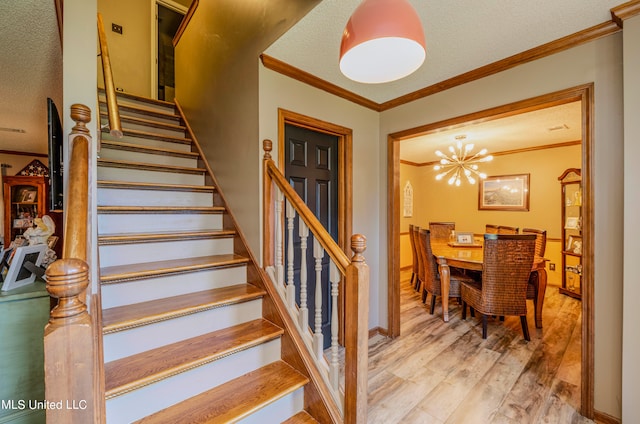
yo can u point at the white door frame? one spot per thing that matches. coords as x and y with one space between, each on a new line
169 4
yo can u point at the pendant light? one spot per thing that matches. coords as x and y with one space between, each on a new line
383 41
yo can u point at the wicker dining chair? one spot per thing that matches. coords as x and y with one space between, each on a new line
419 268
440 231
491 229
414 254
507 264
533 286
503 229
431 282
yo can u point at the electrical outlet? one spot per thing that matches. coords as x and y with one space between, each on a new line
116 28
552 267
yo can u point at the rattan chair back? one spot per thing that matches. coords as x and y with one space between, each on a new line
507 263
491 229
541 240
503 229
440 231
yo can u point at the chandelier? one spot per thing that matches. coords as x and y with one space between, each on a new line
462 162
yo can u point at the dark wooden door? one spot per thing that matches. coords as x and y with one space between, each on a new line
311 166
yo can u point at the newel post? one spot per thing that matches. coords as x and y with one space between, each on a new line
267 204
69 350
356 333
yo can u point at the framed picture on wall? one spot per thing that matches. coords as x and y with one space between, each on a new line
504 193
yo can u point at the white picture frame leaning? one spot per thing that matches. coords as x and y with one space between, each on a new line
17 275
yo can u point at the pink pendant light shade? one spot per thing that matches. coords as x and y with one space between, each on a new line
383 41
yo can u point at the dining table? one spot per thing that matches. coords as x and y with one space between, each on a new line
470 257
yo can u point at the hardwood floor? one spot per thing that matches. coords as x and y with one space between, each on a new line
438 372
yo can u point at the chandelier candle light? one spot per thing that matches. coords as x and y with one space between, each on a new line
461 162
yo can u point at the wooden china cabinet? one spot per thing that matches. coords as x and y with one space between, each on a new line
25 198
571 189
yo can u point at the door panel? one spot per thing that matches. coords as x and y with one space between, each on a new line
311 166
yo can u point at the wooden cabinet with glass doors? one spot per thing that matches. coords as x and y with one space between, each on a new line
571 188
24 200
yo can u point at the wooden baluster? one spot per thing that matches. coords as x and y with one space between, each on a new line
356 333
291 288
279 235
267 215
334 277
318 340
303 231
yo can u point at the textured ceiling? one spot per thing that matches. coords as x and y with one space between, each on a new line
30 71
461 35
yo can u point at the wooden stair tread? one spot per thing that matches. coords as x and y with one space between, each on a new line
151 269
301 417
154 136
138 314
235 399
121 95
130 147
153 186
146 122
161 209
145 111
125 238
150 166
127 374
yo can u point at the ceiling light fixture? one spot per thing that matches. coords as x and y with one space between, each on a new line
461 162
383 41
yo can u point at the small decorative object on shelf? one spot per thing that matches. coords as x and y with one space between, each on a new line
571 190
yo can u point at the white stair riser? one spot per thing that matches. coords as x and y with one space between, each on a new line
133 197
149 142
131 223
115 154
155 397
278 411
126 254
135 340
126 293
173 132
144 176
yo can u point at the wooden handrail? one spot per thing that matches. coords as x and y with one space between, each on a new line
69 349
356 282
339 257
115 127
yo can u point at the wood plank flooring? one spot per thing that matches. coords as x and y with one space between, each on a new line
438 372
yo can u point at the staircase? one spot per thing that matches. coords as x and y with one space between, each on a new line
189 333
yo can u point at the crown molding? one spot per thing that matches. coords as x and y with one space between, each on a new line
625 11
564 43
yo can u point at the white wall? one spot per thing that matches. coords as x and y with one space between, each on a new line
277 91
79 86
631 344
599 62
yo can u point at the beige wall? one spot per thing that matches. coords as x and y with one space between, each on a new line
277 91
130 51
599 62
217 85
631 344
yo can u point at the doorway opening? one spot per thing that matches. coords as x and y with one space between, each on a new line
167 16
582 94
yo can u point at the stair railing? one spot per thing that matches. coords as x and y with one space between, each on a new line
113 114
70 350
282 206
